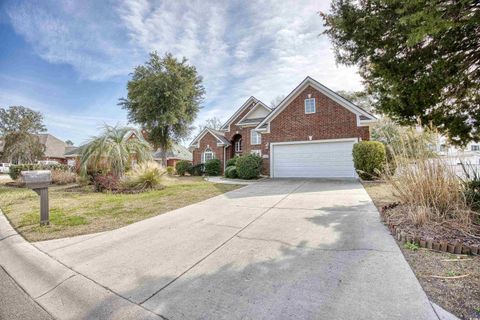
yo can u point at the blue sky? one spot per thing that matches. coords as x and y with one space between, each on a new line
71 59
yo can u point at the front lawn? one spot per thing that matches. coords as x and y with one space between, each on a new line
452 281
81 211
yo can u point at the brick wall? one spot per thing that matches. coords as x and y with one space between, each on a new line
330 121
210 141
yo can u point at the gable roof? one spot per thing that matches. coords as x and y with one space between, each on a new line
177 151
219 135
54 147
246 104
244 120
362 115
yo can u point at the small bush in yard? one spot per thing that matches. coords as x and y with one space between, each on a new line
170 170
369 158
231 172
213 167
108 182
147 175
232 162
63 177
183 166
16 169
471 185
197 170
249 166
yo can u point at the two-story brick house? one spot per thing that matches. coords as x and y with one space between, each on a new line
309 134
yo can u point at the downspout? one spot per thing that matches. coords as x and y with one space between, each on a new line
224 157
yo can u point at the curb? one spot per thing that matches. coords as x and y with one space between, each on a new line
61 291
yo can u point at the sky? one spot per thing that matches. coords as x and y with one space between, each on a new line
71 60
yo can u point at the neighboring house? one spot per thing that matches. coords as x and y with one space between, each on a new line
175 154
309 134
54 148
456 155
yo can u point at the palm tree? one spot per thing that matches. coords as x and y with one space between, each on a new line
113 151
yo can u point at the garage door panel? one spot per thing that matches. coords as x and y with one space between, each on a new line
316 159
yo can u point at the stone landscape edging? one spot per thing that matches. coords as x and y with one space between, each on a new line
429 243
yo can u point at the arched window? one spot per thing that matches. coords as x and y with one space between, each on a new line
207 155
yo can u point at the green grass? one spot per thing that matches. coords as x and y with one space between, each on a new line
452 273
84 211
411 246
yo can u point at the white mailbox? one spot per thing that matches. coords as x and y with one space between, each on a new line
39 180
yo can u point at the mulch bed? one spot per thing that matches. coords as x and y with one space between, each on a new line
432 235
89 189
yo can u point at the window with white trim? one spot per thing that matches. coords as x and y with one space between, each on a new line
475 147
256 152
255 137
238 145
207 155
310 105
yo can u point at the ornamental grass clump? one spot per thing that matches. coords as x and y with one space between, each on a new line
426 185
147 175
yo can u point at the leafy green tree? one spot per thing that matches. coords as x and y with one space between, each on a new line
164 97
19 126
420 58
113 151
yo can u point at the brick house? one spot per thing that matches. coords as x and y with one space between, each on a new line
309 134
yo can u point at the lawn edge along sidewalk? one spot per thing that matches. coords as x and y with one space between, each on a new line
61 291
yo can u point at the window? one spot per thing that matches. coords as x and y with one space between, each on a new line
256 152
475 147
310 105
255 137
238 145
208 155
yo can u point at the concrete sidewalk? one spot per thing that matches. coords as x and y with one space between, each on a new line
277 249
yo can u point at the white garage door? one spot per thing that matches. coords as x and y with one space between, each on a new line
313 160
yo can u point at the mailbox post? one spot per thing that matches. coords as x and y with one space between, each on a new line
38 181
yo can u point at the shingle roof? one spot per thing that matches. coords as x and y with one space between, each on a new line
177 151
250 121
54 147
220 135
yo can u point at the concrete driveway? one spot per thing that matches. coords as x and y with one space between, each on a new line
277 249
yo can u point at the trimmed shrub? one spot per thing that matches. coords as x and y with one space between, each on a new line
249 166
231 172
369 159
183 166
197 170
147 175
232 162
213 167
63 177
170 170
15 169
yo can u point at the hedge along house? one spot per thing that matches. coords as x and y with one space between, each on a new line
309 134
